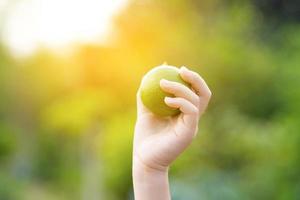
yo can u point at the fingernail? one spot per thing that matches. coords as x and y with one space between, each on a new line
183 69
168 99
163 81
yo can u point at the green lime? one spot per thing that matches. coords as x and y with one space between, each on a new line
151 93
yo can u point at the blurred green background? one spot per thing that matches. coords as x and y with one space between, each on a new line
66 120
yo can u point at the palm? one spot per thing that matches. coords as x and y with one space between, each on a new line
162 139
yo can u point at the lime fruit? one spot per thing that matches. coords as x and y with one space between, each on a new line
151 93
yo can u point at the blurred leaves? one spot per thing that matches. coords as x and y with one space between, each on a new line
117 150
7 141
79 108
74 113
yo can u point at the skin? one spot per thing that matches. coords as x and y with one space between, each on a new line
158 141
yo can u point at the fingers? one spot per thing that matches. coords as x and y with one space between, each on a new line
197 82
184 105
190 111
179 90
199 86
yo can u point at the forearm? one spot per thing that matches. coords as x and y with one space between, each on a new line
149 183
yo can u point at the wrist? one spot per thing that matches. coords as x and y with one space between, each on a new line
149 183
142 170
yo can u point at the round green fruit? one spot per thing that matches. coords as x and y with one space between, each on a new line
151 93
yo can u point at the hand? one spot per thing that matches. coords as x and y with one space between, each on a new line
159 141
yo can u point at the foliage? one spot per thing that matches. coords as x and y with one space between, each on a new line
62 115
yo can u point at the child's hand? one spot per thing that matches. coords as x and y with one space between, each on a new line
159 141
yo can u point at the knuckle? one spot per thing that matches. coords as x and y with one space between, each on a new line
197 100
195 110
181 100
196 75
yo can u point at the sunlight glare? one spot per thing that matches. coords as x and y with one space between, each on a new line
57 23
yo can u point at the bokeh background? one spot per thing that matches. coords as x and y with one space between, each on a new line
67 103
